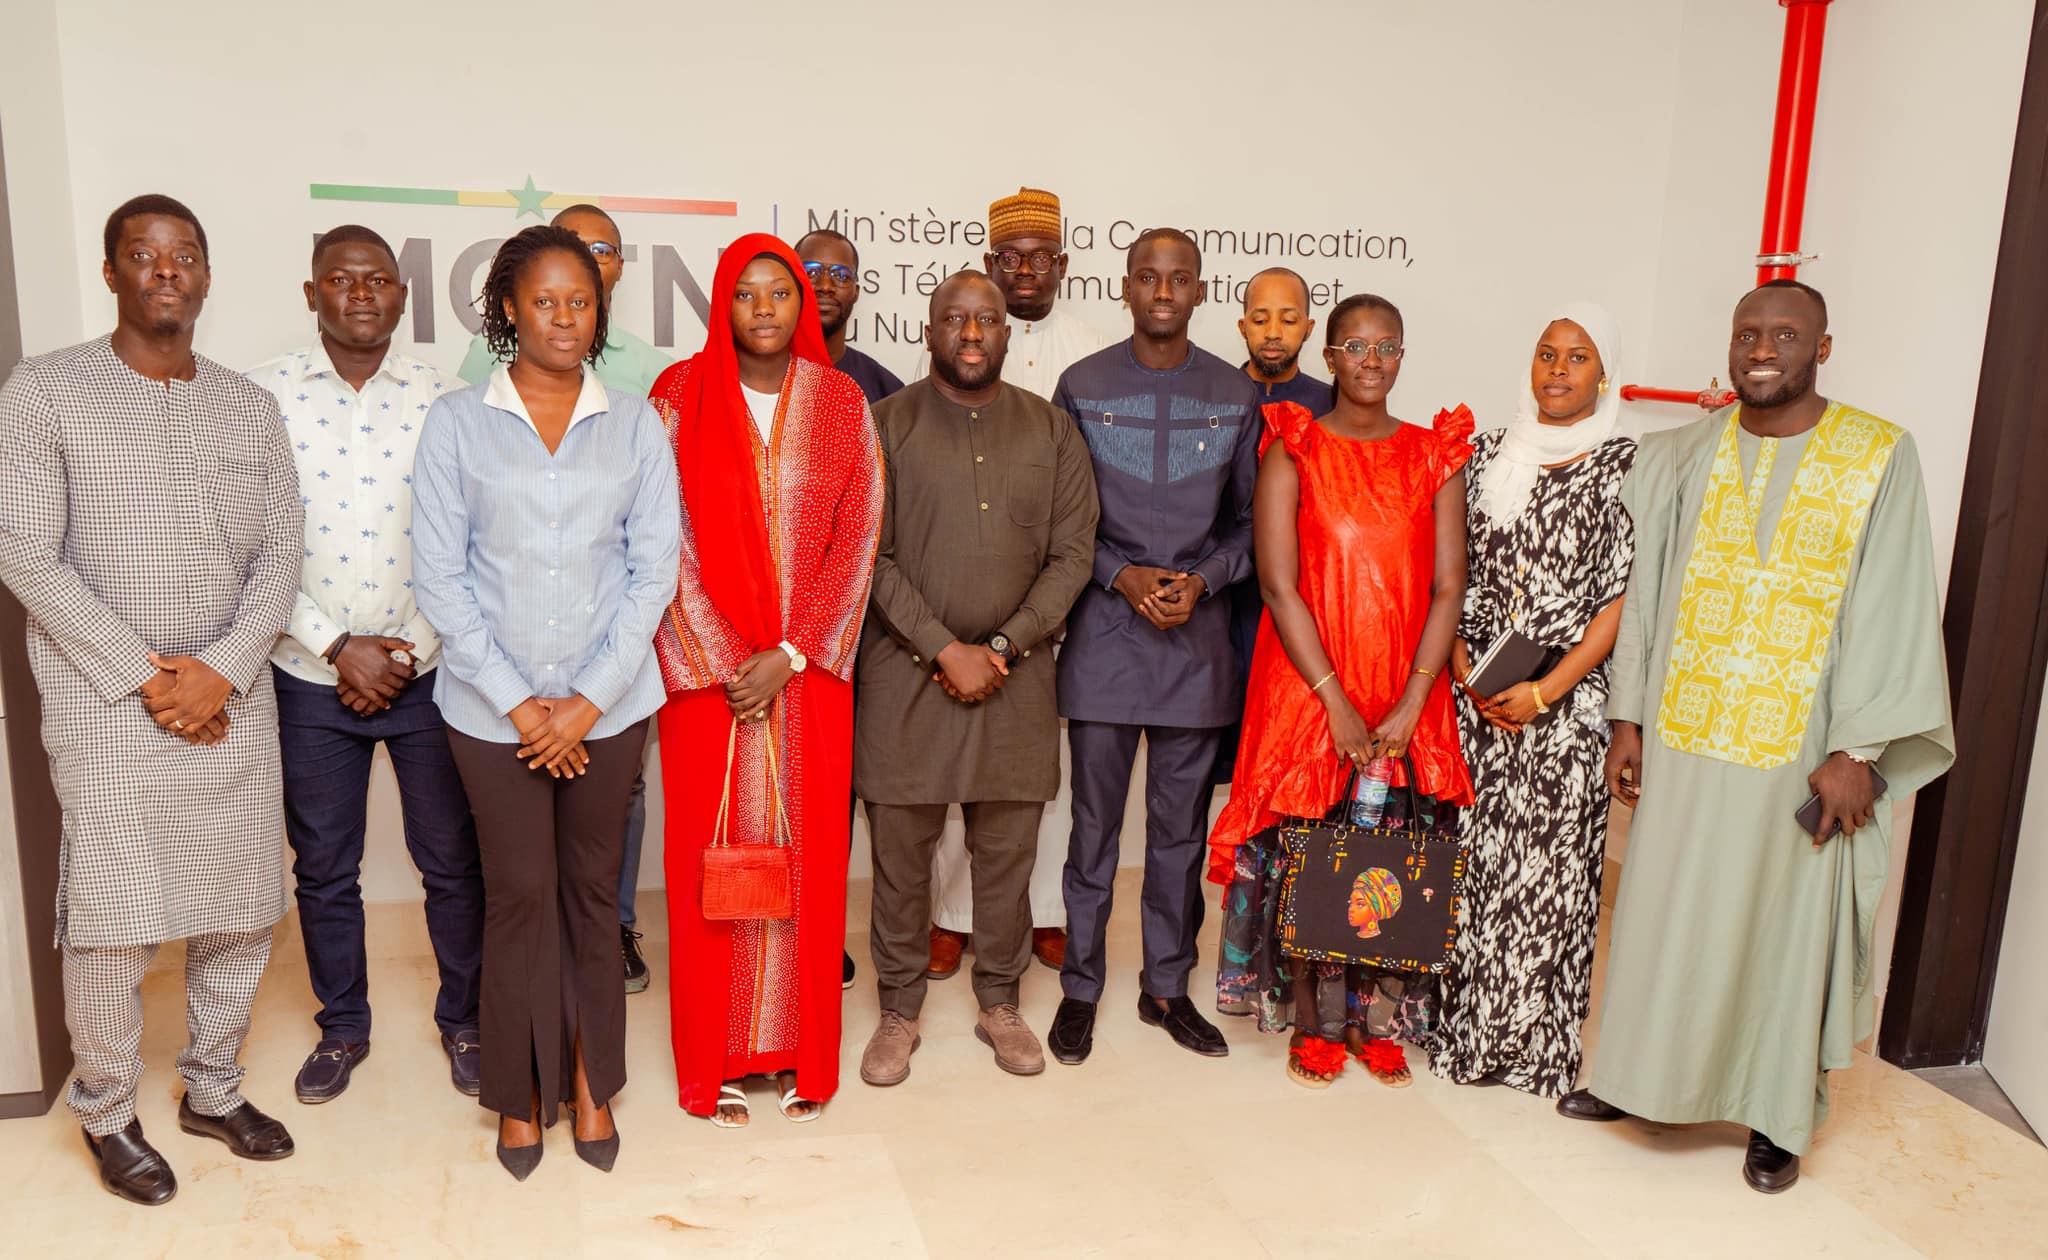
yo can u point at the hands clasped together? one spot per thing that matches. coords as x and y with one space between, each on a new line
971 672
188 698
1164 597
759 679
551 733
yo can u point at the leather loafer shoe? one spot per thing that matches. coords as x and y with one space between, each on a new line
1769 1168
1073 1031
247 1131
325 1072
131 1168
465 1059
1582 1104
1184 1024
946 949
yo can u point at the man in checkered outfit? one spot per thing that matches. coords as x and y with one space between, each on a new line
151 525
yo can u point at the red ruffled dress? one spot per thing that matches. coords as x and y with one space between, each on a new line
1367 540
1366 533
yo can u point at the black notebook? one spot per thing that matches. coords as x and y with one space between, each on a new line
1513 658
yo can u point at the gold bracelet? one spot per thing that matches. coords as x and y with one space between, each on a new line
1426 673
1537 692
1320 681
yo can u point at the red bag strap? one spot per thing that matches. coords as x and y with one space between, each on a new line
721 836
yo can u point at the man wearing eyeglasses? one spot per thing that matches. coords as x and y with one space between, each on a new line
832 265
1028 263
628 365
1174 432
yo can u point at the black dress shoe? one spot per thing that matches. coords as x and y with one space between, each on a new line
636 966
600 1153
1185 1024
845 970
1769 1168
1582 1104
131 1168
520 1161
325 1072
465 1059
1073 1031
247 1131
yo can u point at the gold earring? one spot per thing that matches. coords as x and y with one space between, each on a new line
1603 384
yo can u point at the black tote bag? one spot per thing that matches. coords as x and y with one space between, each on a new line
1389 897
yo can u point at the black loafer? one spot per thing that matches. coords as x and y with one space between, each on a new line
325 1072
465 1059
1769 1168
1582 1104
247 1131
1073 1031
131 1168
845 970
1184 1024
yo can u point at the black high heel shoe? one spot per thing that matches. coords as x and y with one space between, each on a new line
602 1153
520 1161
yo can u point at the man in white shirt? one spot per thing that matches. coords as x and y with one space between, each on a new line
1027 259
349 669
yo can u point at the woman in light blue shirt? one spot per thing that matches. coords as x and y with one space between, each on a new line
545 533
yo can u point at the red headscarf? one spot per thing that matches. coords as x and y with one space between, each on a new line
715 450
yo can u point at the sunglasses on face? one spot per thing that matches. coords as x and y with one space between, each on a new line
1356 349
818 271
1041 260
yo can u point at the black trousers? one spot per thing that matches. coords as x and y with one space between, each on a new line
327 750
1178 763
551 855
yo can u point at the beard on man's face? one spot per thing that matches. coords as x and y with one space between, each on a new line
1779 392
969 376
1274 371
832 323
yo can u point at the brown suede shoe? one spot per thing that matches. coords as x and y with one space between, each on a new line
946 950
1003 1030
886 1061
1049 946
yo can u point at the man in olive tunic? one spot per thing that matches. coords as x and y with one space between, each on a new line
150 524
1781 635
988 534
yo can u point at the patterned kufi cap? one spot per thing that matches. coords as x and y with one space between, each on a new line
1032 212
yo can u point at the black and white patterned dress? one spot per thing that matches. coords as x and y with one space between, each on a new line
1521 979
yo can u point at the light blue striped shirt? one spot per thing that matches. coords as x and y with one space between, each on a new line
545 575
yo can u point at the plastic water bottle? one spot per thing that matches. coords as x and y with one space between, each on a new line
1369 801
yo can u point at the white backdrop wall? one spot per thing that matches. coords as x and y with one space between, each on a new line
1499 156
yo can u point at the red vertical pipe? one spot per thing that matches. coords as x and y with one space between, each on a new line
1792 137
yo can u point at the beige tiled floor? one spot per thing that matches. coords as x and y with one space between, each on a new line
1144 1150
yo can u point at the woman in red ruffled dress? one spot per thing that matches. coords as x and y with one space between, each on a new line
1359 523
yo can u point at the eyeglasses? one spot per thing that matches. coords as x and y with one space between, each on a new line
1041 260
603 251
1357 349
818 271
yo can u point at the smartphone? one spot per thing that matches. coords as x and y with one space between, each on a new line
1809 813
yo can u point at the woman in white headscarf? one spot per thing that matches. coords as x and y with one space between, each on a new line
1550 547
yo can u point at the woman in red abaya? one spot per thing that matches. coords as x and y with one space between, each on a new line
782 501
1359 522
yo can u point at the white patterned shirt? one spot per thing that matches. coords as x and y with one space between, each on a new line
354 453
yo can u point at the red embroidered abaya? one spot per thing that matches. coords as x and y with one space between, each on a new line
778 544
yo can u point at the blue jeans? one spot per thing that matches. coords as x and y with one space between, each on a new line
327 751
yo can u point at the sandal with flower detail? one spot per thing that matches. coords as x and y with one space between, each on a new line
1385 1062
1315 1063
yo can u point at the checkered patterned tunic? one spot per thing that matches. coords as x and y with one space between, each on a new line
134 517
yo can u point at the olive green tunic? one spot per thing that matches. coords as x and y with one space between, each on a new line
1739 971
988 524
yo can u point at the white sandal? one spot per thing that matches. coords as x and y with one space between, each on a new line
731 1096
789 1098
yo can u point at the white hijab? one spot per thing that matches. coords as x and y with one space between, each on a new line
1509 482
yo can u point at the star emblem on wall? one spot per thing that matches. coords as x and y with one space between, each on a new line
529 199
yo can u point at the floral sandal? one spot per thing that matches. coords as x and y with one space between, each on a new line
1315 1063
1385 1062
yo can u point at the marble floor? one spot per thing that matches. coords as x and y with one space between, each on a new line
1144 1150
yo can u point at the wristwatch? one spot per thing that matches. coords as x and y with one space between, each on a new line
798 662
1000 644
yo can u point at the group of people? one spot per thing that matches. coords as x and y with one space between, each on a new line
817 583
